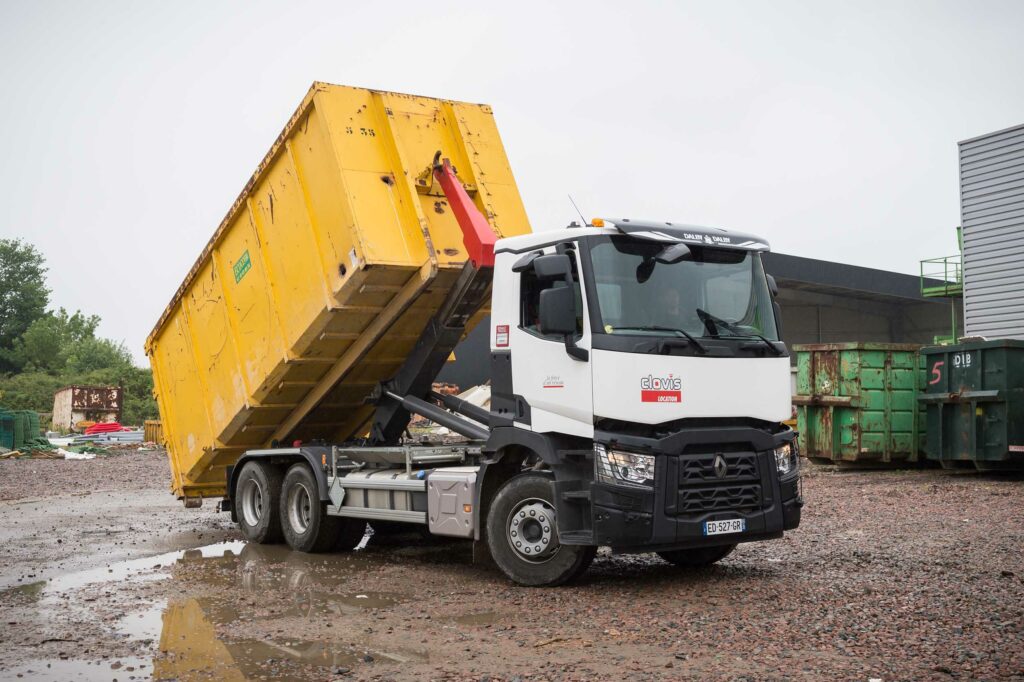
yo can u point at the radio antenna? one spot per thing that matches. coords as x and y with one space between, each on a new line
578 210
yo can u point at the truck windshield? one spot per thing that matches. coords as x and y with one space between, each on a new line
650 288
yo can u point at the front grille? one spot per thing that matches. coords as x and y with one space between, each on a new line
740 466
701 488
719 498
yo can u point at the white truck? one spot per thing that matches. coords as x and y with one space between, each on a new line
638 381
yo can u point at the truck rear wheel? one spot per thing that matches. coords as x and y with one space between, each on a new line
257 496
522 535
304 520
697 557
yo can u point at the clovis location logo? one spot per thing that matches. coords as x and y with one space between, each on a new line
661 389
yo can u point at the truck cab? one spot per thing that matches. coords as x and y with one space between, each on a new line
641 362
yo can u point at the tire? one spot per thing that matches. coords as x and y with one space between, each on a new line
698 557
524 505
350 534
304 520
257 497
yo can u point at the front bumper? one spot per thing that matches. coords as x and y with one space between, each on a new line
687 492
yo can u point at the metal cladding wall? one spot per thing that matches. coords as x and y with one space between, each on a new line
992 215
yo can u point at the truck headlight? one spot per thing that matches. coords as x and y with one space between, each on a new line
623 468
785 458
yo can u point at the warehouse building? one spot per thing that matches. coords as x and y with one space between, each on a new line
992 216
825 302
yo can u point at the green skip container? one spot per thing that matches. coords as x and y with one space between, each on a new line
974 404
856 403
6 429
20 428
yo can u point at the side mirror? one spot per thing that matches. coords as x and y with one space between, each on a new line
772 286
554 266
557 310
645 269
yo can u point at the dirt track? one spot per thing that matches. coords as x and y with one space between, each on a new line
893 575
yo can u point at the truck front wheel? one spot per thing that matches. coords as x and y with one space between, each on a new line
304 520
523 537
697 558
257 496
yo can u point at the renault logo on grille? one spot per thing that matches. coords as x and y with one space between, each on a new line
721 468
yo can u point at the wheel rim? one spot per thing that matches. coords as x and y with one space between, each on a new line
530 530
252 502
300 508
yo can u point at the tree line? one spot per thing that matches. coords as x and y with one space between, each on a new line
44 349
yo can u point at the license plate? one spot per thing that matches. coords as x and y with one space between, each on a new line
723 527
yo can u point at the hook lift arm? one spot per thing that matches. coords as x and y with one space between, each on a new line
408 390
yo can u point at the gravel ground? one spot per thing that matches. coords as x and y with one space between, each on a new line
28 478
892 575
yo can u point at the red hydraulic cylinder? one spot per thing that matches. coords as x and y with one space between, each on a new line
477 233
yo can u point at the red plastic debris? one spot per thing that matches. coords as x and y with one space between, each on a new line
105 427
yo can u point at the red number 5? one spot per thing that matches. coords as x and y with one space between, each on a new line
936 372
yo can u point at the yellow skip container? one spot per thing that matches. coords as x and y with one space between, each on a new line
321 277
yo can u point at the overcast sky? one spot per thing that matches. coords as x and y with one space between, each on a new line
128 128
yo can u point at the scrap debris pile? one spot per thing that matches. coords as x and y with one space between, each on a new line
422 429
20 438
437 387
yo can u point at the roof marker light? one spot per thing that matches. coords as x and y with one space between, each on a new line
597 222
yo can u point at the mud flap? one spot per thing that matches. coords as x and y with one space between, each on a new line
482 554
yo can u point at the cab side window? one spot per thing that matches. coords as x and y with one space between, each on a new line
529 307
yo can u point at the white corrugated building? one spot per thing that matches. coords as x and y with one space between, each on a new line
992 215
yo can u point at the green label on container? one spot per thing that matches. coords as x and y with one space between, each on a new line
242 266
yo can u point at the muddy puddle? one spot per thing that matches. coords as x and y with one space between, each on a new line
200 613
82 671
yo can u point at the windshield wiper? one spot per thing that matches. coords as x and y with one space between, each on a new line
657 328
774 349
711 323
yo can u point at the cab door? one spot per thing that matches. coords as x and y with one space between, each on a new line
557 387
